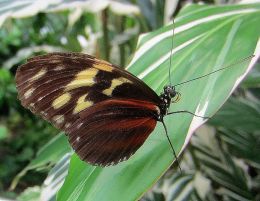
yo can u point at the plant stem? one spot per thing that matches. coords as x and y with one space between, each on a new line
106 45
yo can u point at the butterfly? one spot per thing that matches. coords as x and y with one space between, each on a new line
107 112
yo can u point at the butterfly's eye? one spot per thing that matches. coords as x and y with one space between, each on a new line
170 91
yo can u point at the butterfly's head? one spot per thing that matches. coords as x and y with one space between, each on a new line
170 91
169 95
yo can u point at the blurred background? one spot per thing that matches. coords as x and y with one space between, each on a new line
223 165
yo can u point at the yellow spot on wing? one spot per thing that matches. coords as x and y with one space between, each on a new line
38 75
82 104
82 79
103 66
115 82
61 100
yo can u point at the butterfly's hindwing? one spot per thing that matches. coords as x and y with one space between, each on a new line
112 130
61 86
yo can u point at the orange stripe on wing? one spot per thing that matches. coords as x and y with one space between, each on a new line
127 103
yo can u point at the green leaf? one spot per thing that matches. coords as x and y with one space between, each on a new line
55 178
3 132
48 154
217 163
30 194
243 144
51 152
253 79
206 38
241 115
20 9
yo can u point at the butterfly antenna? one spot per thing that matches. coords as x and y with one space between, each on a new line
170 78
228 66
174 153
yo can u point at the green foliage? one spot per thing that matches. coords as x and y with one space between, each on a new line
30 194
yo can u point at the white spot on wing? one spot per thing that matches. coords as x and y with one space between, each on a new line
28 93
112 163
44 115
39 74
79 125
32 105
58 119
57 68
67 125
40 98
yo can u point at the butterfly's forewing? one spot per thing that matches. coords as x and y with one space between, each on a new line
107 112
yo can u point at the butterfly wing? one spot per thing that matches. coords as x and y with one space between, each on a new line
61 87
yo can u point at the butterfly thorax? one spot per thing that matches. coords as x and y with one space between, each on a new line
166 96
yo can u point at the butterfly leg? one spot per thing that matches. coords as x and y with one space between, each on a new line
188 112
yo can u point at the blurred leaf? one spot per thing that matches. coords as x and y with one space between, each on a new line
5 77
26 154
221 168
31 194
243 144
51 152
181 188
28 52
123 8
204 41
7 88
170 9
55 179
3 132
253 79
20 9
238 114
48 154
153 12
154 196
213 175
187 185
202 185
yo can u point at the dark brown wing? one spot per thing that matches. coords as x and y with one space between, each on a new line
111 131
61 86
55 85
